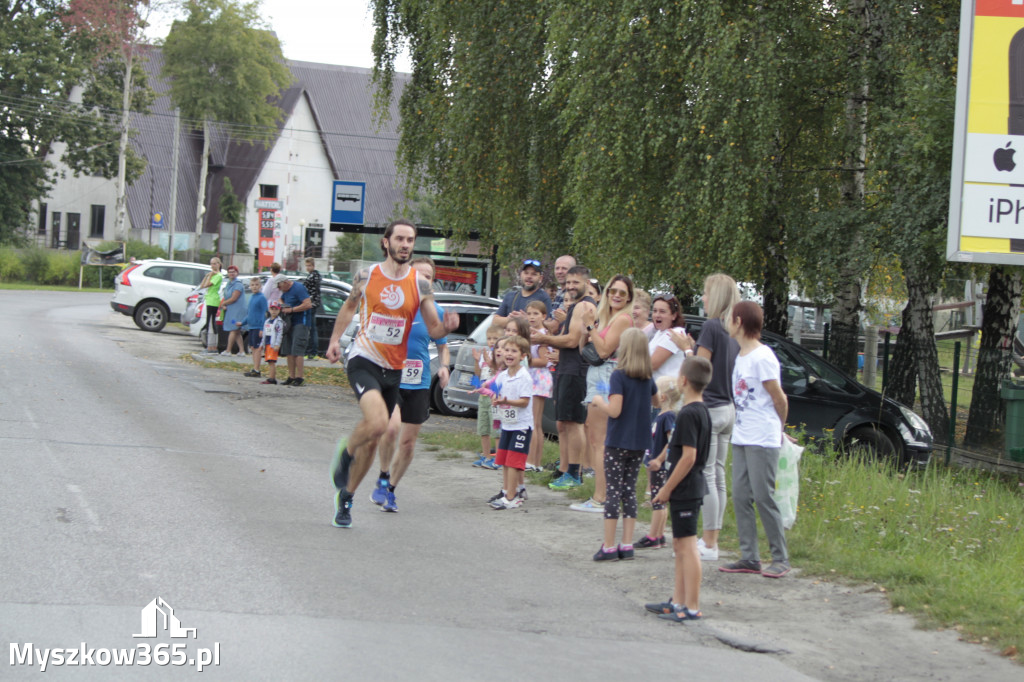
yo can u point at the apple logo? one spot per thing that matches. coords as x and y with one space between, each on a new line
1003 158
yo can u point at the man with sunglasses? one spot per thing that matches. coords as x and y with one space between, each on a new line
515 301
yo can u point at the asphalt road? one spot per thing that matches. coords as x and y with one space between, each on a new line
130 475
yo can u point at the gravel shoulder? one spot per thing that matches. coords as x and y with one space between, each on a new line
824 628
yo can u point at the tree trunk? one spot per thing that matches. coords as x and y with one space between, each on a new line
846 313
203 170
121 208
776 278
926 355
998 326
901 380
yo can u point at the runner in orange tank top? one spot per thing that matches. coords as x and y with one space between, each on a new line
386 296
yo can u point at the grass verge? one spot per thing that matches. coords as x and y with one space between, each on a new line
317 376
945 544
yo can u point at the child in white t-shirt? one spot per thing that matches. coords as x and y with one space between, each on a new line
513 399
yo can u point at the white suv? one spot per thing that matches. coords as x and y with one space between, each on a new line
153 292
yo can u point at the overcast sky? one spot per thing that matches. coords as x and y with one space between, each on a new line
325 31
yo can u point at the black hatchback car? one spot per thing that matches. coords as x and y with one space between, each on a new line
827 403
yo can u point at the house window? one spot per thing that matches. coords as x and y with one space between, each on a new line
99 212
268 191
74 230
55 230
42 218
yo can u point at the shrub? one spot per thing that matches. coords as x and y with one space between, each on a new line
11 267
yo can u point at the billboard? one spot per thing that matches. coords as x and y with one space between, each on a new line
986 213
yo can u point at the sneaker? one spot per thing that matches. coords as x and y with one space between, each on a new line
625 554
530 467
741 566
591 505
252 373
647 542
480 461
343 509
269 381
224 352
680 614
380 492
776 570
664 543
497 496
489 464
700 543
565 482
588 473
522 495
659 607
288 382
390 504
296 381
708 553
603 555
502 503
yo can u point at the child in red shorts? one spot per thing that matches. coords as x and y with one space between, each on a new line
514 394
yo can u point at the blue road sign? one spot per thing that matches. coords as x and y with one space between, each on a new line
347 202
158 221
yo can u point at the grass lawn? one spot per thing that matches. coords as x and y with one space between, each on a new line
20 286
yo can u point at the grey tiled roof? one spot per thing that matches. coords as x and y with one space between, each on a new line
341 99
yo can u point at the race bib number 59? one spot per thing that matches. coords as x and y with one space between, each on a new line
412 372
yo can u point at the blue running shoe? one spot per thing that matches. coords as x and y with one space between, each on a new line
342 509
489 464
390 505
480 461
564 482
380 492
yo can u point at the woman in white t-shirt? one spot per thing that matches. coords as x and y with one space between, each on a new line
761 410
666 356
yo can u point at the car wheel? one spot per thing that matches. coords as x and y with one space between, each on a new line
872 443
439 396
151 316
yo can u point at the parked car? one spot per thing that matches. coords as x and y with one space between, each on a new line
823 400
153 292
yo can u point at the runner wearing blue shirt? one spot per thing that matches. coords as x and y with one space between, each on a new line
413 407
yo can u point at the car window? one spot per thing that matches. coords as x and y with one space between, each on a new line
479 335
158 272
331 300
800 360
186 275
793 374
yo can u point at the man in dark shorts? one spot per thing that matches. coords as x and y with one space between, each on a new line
387 296
570 379
297 303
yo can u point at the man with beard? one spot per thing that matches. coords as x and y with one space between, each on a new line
556 313
514 303
387 296
570 378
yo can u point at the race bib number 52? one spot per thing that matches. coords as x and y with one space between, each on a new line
386 330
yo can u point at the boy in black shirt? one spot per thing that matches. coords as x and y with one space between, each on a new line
685 490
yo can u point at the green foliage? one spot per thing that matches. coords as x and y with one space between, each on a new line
223 66
11 267
232 210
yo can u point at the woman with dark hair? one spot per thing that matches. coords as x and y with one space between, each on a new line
757 437
666 356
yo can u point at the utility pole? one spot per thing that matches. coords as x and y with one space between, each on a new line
173 210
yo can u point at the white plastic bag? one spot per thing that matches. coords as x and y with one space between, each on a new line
787 482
